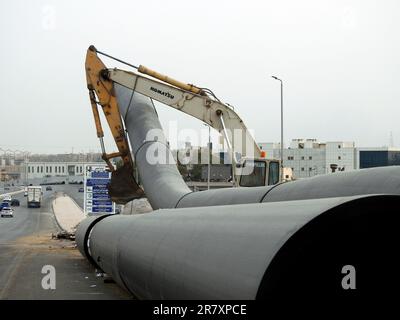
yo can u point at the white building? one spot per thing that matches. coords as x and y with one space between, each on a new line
343 154
56 169
308 157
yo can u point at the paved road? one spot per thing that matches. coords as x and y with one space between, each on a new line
26 246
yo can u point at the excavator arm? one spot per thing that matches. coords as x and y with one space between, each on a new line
123 186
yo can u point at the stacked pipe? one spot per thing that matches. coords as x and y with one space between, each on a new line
241 243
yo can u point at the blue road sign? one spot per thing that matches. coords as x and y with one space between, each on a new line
97 199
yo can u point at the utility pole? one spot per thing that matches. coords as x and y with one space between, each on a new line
209 155
276 78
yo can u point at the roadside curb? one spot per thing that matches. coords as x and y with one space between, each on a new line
55 216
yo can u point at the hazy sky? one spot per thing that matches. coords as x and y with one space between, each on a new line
339 61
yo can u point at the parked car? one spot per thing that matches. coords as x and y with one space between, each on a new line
48 188
7 212
4 204
15 202
80 190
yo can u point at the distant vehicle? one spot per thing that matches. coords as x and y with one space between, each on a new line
48 188
4 204
7 212
6 188
25 193
34 196
80 190
14 203
7 198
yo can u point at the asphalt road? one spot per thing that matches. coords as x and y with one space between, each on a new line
26 246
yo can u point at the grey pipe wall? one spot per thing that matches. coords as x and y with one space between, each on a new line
384 180
225 252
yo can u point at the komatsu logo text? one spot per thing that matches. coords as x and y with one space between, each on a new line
166 94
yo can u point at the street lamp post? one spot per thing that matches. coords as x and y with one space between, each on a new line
208 156
276 78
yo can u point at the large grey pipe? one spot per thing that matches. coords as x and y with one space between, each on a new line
245 251
165 187
162 182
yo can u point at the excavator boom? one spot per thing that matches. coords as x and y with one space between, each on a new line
197 103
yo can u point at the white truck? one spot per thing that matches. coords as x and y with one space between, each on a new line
34 196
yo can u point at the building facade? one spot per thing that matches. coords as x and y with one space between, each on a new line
56 169
308 157
377 157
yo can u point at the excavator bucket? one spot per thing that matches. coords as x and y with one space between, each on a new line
123 186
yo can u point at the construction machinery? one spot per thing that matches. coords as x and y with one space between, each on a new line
252 169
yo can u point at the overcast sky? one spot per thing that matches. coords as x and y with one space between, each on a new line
339 61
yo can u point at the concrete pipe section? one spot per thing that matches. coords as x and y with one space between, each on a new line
240 243
245 251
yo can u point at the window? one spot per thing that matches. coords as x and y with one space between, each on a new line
63 169
310 158
41 169
37 169
302 158
29 169
310 169
302 169
339 146
255 173
50 169
339 158
55 169
290 158
273 174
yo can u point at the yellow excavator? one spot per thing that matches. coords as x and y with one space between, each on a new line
198 102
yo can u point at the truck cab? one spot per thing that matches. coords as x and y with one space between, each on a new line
259 172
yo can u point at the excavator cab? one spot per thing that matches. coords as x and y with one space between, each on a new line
259 172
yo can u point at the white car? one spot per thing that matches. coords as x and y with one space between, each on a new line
7 212
7 198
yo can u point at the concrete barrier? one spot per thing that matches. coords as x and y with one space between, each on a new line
68 214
